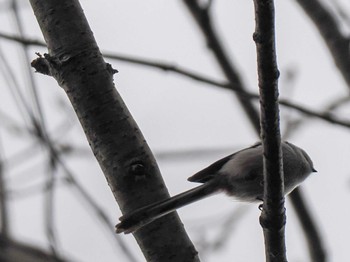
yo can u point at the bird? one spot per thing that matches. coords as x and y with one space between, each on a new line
239 175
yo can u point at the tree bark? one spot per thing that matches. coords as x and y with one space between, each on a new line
273 216
75 61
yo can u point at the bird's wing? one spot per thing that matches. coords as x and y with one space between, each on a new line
209 172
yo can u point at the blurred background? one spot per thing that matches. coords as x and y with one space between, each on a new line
66 208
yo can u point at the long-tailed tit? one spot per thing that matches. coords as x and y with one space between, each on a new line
239 175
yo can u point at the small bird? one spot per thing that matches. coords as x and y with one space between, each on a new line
239 175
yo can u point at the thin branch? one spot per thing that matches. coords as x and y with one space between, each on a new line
314 240
56 159
100 214
15 90
326 116
11 124
24 155
32 190
23 40
39 125
340 101
49 206
327 26
343 13
198 77
203 19
273 216
224 230
24 48
4 215
11 250
42 136
69 179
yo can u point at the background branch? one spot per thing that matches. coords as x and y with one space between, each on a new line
4 215
164 66
202 17
11 250
328 28
313 238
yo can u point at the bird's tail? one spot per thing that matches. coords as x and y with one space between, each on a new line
140 217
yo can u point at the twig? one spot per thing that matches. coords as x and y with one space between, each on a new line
42 135
57 160
101 215
198 77
327 26
273 216
24 48
11 250
15 90
340 101
38 123
314 240
10 123
203 20
226 229
342 12
326 116
22 40
4 223
49 206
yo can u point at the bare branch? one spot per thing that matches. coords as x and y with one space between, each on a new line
11 250
22 40
327 26
4 215
49 204
337 103
114 137
317 250
198 77
30 79
273 216
342 12
203 20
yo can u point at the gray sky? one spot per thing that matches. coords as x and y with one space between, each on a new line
175 113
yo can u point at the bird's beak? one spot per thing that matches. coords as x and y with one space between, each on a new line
314 170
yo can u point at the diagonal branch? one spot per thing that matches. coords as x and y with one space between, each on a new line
314 240
329 29
203 20
11 250
76 63
273 216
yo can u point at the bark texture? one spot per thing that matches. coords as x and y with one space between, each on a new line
75 61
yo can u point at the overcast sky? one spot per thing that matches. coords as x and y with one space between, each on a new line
175 114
